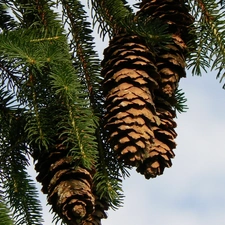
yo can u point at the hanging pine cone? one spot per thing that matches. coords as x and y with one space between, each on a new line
170 63
69 188
129 80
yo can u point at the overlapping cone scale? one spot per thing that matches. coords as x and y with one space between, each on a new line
99 213
171 67
161 152
129 80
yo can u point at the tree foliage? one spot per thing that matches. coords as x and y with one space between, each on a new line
52 94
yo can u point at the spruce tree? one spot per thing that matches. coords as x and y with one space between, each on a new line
86 121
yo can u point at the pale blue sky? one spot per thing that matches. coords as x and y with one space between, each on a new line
192 191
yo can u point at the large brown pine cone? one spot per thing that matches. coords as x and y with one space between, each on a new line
129 80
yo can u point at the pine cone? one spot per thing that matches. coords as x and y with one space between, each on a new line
129 80
170 63
69 189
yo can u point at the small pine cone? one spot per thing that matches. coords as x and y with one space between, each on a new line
129 80
161 152
69 188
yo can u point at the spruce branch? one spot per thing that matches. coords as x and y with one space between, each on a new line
180 104
110 15
108 179
5 217
118 16
210 32
19 191
77 119
7 22
82 47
